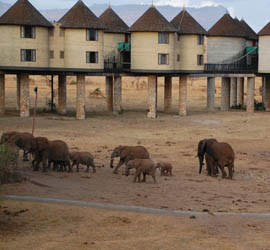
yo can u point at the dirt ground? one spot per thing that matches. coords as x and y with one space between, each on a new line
169 138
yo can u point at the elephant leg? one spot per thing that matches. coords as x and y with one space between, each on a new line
94 168
121 162
25 153
144 179
231 170
87 169
135 178
78 164
154 178
224 175
44 163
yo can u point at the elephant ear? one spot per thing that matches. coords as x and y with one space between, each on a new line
42 144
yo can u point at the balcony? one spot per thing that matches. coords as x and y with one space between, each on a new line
111 66
247 62
125 47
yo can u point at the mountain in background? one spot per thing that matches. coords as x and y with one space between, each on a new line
206 16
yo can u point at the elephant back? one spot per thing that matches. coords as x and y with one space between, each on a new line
58 151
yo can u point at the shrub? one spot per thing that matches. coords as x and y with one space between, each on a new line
9 172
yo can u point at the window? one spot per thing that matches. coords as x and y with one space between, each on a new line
200 59
28 32
200 39
163 38
91 57
163 59
62 32
91 35
51 32
178 58
62 54
51 54
28 55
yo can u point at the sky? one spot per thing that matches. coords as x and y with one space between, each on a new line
255 12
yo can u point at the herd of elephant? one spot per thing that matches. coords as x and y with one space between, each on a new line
216 154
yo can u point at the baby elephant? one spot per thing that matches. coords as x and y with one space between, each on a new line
142 166
165 168
84 158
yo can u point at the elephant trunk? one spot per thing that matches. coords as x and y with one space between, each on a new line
111 164
201 163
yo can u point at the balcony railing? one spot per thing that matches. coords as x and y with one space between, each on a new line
116 67
247 63
230 68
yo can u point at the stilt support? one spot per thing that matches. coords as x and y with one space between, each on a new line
152 97
80 105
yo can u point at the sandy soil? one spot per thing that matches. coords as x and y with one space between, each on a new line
51 227
169 138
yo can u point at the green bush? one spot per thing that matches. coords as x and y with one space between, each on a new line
9 164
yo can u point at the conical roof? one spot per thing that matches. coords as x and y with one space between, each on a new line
249 31
265 31
228 27
80 17
113 23
186 24
152 21
24 13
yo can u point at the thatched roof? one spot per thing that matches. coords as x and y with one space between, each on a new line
186 24
152 21
265 31
24 13
81 17
227 27
113 23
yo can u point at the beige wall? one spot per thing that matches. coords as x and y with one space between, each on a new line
145 50
76 46
111 41
189 49
220 49
264 54
56 44
11 44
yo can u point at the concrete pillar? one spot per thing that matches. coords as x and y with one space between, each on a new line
2 94
62 94
240 91
263 89
267 94
182 110
24 96
167 94
18 91
109 93
211 88
250 94
225 94
152 97
117 95
80 105
233 92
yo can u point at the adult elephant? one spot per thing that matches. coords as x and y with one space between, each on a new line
21 139
50 151
219 154
127 153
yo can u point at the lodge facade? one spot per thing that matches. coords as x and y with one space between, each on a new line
82 44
